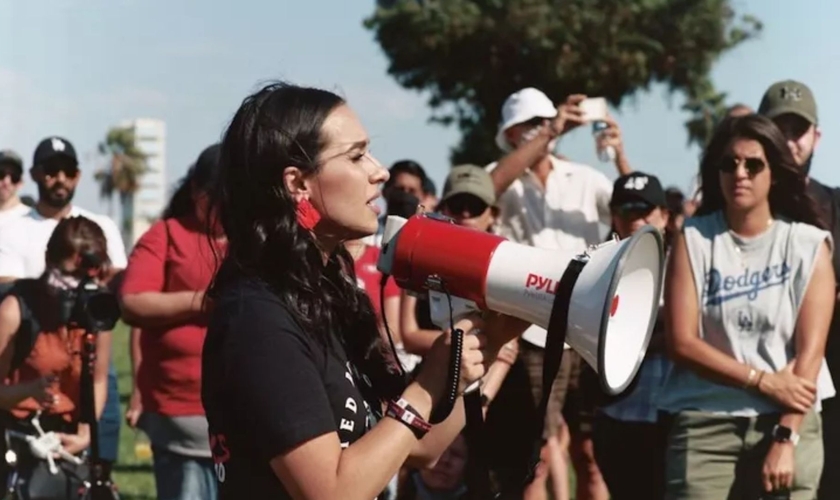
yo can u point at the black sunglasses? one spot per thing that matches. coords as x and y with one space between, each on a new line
636 212
52 169
754 166
535 121
465 203
9 172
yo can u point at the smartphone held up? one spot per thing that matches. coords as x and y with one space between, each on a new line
595 112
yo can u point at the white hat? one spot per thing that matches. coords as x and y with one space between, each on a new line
520 107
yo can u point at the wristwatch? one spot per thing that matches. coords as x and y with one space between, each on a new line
783 434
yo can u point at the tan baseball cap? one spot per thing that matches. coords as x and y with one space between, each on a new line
469 179
789 97
8 156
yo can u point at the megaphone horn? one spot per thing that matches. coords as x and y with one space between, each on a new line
613 304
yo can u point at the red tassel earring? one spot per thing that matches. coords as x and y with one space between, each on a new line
307 215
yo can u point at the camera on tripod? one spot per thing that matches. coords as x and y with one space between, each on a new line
89 306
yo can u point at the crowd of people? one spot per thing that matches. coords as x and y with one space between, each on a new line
261 329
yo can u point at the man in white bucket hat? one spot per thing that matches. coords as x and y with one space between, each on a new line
549 202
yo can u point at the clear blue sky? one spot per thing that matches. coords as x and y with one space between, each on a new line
75 67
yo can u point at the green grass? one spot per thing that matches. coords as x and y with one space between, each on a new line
133 476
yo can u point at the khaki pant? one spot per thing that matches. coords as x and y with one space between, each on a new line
720 457
566 381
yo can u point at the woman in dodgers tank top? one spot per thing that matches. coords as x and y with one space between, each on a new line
749 296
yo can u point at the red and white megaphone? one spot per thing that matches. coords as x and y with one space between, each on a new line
613 304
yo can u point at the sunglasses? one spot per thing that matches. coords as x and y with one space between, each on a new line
465 203
636 212
535 121
754 166
13 174
52 169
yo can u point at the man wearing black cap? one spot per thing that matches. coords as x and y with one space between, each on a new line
638 199
23 244
628 437
55 170
11 180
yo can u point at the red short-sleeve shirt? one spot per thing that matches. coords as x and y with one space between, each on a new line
174 255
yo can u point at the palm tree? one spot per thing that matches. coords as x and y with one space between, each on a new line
127 165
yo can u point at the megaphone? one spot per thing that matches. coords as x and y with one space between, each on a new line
613 304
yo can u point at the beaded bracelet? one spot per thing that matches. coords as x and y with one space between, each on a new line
404 413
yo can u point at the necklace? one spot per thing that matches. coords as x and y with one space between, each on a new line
738 251
355 248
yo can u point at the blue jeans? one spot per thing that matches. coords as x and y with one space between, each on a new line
109 423
178 477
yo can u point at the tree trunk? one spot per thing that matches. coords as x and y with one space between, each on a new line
127 212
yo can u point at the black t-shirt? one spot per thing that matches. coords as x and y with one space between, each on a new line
267 387
828 203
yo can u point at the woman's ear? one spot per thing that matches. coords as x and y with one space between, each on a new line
295 183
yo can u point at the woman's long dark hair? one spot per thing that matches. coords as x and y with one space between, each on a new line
201 177
788 191
276 127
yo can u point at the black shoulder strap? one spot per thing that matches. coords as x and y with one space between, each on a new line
25 291
477 473
553 354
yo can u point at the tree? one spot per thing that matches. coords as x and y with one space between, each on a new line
127 163
469 55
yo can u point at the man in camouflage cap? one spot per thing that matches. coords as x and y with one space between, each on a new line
792 106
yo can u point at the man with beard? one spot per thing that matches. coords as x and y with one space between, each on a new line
791 105
23 244
55 170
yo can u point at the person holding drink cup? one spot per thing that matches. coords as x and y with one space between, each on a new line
537 192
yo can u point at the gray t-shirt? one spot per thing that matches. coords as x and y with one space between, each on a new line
750 291
184 435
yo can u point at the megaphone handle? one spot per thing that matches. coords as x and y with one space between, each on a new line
442 411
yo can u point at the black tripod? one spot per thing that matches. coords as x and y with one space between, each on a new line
98 486
94 310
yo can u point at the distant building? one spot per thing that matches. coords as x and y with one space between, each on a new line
153 193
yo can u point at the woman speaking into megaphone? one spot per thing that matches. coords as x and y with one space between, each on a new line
302 400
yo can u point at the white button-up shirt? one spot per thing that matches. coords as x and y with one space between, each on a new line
23 243
565 215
